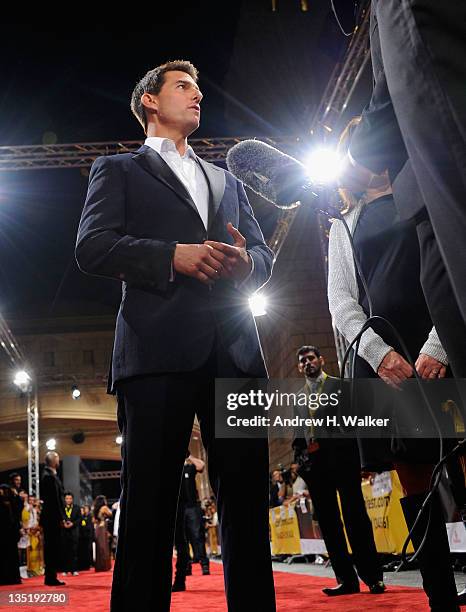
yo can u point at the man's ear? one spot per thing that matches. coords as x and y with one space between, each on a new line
149 101
322 362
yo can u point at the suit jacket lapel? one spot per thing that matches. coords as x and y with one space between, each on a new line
216 180
154 163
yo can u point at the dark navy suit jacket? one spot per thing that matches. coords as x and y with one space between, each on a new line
136 211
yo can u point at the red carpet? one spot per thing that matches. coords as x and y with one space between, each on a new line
89 592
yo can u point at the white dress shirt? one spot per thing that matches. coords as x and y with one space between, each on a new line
187 169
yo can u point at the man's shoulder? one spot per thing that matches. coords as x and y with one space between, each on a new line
117 160
227 174
332 380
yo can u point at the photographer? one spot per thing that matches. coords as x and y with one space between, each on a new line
277 489
331 466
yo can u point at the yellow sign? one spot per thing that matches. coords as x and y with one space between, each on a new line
284 530
384 510
382 498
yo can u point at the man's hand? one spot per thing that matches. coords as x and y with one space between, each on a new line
394 369
235 260
428 367
198 261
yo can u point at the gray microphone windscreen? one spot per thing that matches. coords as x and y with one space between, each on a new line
277 177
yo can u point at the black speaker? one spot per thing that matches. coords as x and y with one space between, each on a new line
78 437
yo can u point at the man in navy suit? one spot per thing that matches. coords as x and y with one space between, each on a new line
180 235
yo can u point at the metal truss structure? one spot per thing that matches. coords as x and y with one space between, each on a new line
33 441
82 154
14 354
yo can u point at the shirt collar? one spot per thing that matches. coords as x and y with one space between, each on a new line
164 145
317 381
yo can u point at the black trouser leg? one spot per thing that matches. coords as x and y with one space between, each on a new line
358 526
434 560
52 542
244 531
193 520
181 545
156 418
323 491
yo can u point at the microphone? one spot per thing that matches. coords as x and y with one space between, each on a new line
277 177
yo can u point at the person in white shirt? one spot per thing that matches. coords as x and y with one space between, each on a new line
180 235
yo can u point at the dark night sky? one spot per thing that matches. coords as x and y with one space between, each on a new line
262 73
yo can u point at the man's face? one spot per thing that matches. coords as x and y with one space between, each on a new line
68 500
17 482
310 365
32 500
54 461
178 102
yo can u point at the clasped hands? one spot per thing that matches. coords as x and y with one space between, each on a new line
394 368
211 261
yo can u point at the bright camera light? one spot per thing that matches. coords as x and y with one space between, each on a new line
51 444
323 165
23 381
21 378
257 304
75 392
119 439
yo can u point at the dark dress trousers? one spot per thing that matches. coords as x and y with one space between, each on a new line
86 537
188 504
415 126
70 540
51 518
335 467
172 338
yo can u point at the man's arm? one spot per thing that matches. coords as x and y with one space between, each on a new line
76 518
376 143
263 257
249 261
198 463
103 246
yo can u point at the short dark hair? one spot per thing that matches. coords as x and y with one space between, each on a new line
69 493
152 83
13 475
307 349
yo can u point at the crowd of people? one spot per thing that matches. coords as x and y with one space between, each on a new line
85 536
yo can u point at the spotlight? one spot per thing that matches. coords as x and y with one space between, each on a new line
75 392
323 165
51 444
119 439
257 304
22 380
